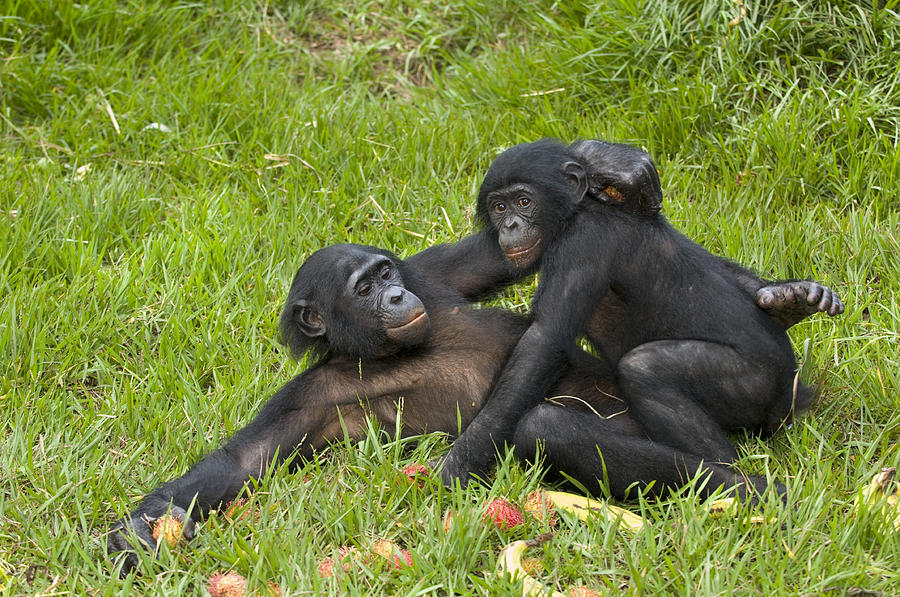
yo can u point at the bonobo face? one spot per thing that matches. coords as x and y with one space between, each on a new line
351 301
375 287
528 193
512 214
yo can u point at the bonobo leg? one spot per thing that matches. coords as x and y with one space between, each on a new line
591 449
687 394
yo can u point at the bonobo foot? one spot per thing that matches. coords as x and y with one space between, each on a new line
791 302
120 537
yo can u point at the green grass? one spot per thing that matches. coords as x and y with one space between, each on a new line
167 166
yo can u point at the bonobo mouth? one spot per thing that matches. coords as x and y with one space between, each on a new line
413 331
523 257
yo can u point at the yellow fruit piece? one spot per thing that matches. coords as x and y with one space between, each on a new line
582 507
510 563
881 497
731 508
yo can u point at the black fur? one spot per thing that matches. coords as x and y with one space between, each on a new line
693 355
438 373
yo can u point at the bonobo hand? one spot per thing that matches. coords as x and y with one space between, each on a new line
471 455
453 468
790 302
629 170
140 522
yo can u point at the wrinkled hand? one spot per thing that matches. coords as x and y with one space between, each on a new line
628 169
452 470
791 302
139 527
466 460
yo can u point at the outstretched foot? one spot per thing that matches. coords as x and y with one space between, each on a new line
791 302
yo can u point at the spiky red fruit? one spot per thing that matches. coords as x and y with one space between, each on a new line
539 507
414 471
169 529
326 567
503 514
346 555
239 509
230 584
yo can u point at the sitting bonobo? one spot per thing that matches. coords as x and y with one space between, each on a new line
692 354
389 334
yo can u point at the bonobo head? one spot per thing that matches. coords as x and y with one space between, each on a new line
527 194
350 300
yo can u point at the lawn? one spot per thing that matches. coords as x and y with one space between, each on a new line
166 167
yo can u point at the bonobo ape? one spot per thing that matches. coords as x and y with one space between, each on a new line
391 332
693 355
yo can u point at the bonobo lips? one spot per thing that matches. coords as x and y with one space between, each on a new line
413 331
523 257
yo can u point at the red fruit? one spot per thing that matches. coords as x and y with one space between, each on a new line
346 555
230 584
239 509
503 514
167 528
539 507
404 558
415 470
326 567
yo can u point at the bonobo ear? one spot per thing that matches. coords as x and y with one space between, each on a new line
578 179
308 319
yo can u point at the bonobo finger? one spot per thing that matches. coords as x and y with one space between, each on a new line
124 538
188 526
815 293
799 291
826 299
831 303
837 306
765 298
454 470
786 294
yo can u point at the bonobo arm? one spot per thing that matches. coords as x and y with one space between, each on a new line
633 174
280 429
534 366
474 266
787 301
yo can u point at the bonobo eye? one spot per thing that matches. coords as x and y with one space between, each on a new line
524 201
385 271
364 289
499 207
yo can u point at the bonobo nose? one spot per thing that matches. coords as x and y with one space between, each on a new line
396 295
